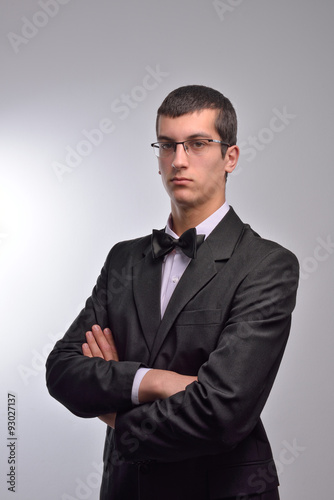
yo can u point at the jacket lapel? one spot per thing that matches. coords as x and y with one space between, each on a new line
197 274
146 291
219 246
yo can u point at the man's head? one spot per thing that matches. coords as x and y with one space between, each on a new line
191 98
196 149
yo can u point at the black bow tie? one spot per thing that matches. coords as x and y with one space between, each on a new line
163 243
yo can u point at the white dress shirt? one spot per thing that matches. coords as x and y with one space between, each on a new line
174 265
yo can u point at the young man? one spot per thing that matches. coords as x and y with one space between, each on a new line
179 355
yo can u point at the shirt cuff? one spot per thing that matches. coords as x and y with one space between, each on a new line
141 372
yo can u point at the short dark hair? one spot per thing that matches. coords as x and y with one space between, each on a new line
191 98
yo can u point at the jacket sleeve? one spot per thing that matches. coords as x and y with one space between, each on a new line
216 413
90 387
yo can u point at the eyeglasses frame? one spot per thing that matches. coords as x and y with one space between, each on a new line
175 143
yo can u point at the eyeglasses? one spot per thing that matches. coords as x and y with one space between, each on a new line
194 147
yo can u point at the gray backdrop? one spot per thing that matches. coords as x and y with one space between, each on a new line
81 82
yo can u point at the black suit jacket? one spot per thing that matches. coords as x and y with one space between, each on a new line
227 322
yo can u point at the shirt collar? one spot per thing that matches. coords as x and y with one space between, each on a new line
205 227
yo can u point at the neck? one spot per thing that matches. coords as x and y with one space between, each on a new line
184 218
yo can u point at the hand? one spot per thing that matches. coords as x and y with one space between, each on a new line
109 419
161 384
100 344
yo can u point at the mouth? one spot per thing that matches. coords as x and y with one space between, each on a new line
180 180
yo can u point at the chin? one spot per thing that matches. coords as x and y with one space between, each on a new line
185 202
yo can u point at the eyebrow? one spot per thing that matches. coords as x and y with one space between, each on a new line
204 135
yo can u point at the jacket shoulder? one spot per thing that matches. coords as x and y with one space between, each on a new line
133 249
238 239
260 252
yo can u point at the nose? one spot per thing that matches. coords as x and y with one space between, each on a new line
181 158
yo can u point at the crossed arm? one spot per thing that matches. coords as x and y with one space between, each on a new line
188 419
156 384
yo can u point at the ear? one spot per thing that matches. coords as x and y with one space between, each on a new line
231 158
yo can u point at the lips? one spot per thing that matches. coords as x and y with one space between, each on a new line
180 180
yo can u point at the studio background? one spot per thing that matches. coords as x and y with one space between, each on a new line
69 192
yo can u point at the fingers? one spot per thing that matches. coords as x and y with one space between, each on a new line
110 339
100 344
93 346
86 351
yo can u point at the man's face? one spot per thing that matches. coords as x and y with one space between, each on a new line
195 182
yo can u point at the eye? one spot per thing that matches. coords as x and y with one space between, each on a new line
197 144
166 146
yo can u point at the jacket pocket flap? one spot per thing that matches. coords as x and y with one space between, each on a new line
200 317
